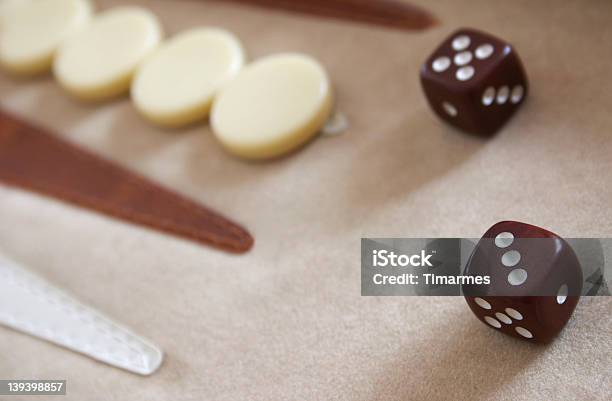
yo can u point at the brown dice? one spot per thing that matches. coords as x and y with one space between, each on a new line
535 281
474 81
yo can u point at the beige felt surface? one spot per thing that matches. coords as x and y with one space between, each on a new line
286 321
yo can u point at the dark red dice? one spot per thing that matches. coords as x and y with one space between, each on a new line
474 81
535 281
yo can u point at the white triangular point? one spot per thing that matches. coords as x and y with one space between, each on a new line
31 305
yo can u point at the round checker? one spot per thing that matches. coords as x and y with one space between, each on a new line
6 6
99 61
33 30
209 57
273 106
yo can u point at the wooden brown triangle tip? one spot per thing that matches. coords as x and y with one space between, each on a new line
241 243
30 157
247 243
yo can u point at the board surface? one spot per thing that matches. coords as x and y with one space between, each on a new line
286 321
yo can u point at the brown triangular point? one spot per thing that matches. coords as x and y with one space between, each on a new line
396 14
34 159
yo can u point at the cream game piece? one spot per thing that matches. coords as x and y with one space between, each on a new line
273 106
176 85
99 62
31 31
7 5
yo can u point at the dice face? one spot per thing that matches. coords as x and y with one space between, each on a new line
474 81
536 281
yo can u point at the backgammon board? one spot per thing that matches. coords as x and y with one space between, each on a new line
285 320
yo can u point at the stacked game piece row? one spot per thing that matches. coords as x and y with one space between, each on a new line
257 111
